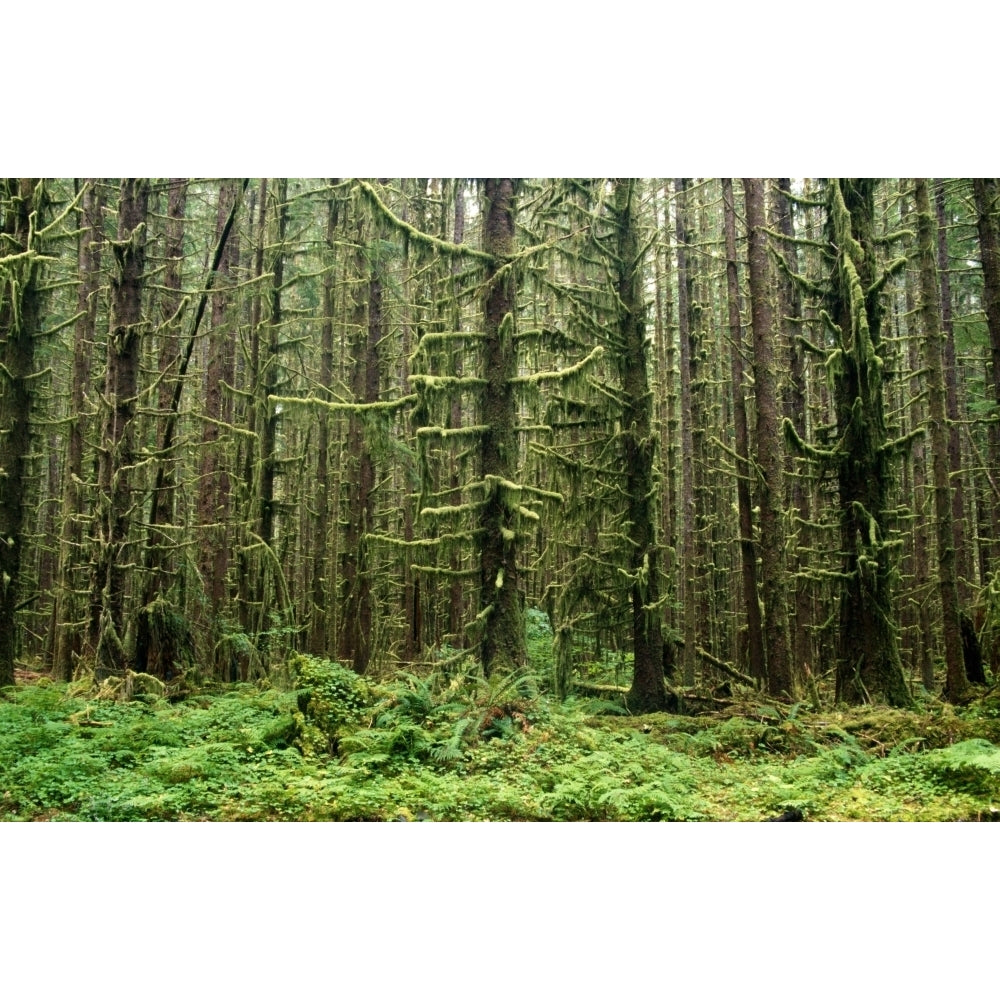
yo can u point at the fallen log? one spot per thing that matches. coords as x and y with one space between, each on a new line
726 668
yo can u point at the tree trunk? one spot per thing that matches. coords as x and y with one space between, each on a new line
930 309
647 693
117 457
69 635
748 554
780 681
214 493
321 503
456 593
868 667
369 329
795 407
21 211
503 643
688 556
985 192
963 551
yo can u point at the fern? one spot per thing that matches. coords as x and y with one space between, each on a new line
452 749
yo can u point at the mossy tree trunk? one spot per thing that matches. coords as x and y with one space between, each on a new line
915 619
248 569
647 692
356 572
269 414
69 635
963 550
780 681
667 398
985 193
456 591
117 451
170 302
214 495
320 594
21 206
930 309
748 553
503 642
868 662
795 408
687 504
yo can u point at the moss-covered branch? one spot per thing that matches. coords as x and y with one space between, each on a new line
414 234
311 401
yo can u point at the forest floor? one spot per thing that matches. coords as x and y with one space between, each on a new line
318 743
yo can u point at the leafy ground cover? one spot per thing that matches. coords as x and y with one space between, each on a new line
327 745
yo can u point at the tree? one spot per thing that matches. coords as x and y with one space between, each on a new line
22 215
639 440
499 597
67 611
930 311
795 409
779 670
963 550
117 453
321 505
868 662
985 192
214 489
744 470
367 333
688 558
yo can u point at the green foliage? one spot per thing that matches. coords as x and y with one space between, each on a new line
331 700
462 748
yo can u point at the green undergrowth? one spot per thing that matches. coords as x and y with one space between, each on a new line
329 745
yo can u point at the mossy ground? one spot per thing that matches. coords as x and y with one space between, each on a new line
460 748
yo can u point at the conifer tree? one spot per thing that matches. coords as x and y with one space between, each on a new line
639 439
22 211
868 661
748 551
214 487
985 191
769 461
68 611
955 683
116 502
795 406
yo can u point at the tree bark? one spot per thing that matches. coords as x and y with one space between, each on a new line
321 529
780 680
503 643
214 492
688 556
647 693
117 456
963 551
69 635
795 408
21 211
985 193
868 667
748 553
930 310
369 330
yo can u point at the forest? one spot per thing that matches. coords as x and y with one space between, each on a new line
510 499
